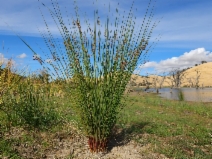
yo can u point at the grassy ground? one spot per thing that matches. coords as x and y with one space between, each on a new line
176 129
172 128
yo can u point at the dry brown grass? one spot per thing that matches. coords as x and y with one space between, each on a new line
205 76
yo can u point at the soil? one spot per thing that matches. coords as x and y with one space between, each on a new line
70 144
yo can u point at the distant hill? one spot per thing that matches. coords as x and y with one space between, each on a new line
205 72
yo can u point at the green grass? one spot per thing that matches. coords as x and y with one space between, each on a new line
177 129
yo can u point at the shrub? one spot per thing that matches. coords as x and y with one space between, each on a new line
35 106
31 106
9 80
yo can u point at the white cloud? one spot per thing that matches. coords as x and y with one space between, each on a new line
2 59
29 16
186 23
150 64
188 59
21 56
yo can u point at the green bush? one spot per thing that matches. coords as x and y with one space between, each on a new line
30 106
35 106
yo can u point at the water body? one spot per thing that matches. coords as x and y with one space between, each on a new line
190 94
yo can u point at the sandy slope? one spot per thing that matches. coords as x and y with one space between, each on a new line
205 71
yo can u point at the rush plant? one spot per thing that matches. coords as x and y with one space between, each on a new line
97 62
9 80
35 106
181 95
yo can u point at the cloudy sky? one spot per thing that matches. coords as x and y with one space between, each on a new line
185 29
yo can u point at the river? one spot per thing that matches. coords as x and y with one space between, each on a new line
190 94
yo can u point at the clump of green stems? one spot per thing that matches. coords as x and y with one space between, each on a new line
22 101
99 61
9 79
180 95
35 106
30 105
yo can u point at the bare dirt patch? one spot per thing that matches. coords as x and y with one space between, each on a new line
70 144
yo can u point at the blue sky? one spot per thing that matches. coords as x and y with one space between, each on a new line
186 30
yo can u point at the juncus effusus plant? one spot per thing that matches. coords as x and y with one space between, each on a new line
99 56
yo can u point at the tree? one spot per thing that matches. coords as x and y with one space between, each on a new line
161 81
170 81
132 83
202 62
196 79
190 80
176 77
155 81
147 82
